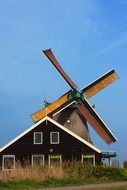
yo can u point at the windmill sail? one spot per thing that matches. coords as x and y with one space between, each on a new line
99 84
53 60
84 107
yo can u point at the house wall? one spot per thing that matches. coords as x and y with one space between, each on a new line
69 147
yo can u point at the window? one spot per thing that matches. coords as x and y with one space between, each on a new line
88 158
55 160
37 160
38 138
54 137
8 162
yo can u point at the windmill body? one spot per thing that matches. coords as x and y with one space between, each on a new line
82 106
74 121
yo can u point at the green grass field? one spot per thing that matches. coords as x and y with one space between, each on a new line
31 184
69 174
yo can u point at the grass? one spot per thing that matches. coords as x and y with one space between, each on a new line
31 184
70 173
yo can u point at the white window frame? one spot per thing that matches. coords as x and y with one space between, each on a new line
90 156
41 137
37 155
51 142
3 162
60 158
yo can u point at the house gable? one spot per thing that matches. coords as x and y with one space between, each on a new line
69 145
44 121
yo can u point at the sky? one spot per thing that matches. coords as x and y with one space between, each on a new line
88 37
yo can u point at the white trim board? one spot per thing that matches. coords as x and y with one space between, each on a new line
58 125
106 127
3 162
64 108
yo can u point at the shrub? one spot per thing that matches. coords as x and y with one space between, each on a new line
109 173
77 169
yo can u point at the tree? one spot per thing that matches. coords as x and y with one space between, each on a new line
125 164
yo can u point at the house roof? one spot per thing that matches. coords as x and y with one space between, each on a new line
56 124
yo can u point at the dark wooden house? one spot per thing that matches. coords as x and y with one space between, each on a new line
47 141
60 132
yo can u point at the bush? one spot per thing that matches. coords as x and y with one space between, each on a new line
109 173
87 171
78 170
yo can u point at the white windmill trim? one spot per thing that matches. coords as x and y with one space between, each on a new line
64 108
102 120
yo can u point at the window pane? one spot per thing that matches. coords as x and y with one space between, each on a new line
55 137
38 138
8 162
55 160
88 158
38 160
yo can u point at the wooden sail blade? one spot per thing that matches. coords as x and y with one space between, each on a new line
99 84
96 122
50 108
55 63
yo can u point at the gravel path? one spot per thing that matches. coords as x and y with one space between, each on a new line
91 186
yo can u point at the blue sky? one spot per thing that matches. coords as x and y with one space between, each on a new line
88 37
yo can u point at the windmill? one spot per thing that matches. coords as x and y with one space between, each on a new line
78 100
